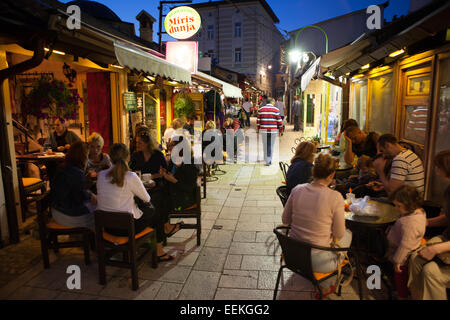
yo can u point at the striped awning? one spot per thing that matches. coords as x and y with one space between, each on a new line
136 59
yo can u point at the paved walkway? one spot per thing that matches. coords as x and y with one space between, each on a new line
238 259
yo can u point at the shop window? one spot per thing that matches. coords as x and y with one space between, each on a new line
150 113
381 90
416 123
419 85
210 32
442 127
359 103
310 109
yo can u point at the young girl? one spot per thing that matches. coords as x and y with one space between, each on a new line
406 234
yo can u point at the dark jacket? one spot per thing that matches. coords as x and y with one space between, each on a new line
152 166
69 191
299 172
182 193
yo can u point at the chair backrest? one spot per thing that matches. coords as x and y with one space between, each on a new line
297 254
284 167
282 194
123 221
43 205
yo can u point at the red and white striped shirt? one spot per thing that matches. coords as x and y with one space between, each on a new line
269 119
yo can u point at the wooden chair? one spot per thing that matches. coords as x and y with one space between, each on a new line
49 231
194 212
27 191
297 257
108 245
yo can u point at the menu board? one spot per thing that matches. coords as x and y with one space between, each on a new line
130 101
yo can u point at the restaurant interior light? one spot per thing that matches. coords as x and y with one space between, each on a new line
367 66
396 53
55 51
116 66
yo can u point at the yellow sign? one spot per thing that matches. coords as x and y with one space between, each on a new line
182 23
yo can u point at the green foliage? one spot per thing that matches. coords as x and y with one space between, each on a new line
184 106
51 98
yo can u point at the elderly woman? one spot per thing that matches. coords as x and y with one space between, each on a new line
428 279
316 216
97 160
300 170
72 203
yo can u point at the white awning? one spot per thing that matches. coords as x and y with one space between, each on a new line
308 75
134 58
229 90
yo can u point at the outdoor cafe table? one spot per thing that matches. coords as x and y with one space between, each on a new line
363 224
50 161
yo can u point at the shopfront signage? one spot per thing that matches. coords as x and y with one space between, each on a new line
182 23
183 54
130 101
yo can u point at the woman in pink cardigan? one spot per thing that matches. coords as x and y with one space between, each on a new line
316 215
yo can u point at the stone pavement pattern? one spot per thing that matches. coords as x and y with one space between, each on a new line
238 259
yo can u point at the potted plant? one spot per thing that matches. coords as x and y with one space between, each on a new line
51 98
184 106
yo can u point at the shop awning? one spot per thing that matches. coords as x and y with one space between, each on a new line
208 79
311 73
229 90
134 58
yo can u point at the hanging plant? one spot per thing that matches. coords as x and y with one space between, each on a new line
184 106
51 98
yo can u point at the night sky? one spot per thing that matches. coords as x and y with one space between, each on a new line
293 14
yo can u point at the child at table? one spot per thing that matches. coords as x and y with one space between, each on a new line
405 236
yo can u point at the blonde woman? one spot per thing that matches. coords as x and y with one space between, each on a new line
174 126
97 160
300 170
117 188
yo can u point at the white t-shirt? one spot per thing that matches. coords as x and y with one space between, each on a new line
247 106
111 197
408 167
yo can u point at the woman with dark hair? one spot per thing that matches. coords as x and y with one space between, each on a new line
72 204
340 144
118 189
429 279
300 170
182 175
316 216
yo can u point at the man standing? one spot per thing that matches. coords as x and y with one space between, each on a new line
297 110
247 106
61 138
189 126
407 168
282 108
269 122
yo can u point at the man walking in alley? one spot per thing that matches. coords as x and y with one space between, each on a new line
297 110
269 124
247 106
282 108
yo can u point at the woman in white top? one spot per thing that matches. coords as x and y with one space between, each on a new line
170 132
117 188
316 215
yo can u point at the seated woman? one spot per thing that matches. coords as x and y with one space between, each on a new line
117 188
300 170
72 204
428 279
316 216
340 144
150 160
97 160
181 175
174 126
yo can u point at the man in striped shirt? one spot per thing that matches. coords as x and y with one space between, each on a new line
269 124
407 168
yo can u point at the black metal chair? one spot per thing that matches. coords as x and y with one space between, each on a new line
108 245
297 258
282 194
284 167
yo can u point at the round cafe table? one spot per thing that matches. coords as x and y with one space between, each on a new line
387 216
